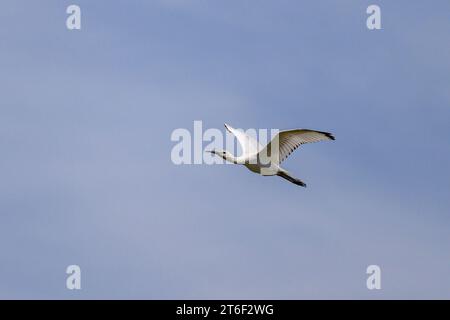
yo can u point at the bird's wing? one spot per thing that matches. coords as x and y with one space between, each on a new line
248 144
289 140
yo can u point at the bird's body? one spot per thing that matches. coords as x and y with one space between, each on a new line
266 160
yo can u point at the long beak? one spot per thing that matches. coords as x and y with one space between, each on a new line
210 151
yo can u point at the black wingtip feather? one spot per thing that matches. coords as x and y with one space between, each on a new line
329 135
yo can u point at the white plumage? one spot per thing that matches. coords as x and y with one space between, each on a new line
266 160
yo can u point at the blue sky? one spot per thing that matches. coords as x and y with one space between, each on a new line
86 176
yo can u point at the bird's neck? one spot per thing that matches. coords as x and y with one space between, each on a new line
231 158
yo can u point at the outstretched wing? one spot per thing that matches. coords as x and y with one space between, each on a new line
285 142
248 144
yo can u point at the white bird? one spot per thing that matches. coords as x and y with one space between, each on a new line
266 160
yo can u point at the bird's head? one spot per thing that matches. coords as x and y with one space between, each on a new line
221 153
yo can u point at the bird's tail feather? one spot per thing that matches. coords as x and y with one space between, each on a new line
296 181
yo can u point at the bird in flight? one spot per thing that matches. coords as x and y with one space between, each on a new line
266 160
